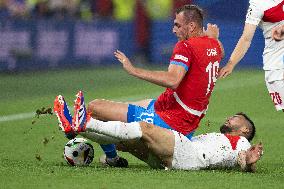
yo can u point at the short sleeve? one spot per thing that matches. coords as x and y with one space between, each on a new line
181 55
254 13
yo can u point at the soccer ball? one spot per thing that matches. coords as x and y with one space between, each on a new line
77 152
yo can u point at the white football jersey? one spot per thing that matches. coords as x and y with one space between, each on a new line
219 150
268 14
207 151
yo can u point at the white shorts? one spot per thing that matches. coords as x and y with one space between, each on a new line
275 87
185 156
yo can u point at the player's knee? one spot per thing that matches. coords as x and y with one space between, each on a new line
91 106
146 128
95 105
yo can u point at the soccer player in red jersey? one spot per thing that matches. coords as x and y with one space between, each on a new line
189 80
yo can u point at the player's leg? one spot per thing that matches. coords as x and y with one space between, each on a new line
134 147
81 115
99 138
276 91
107 110
136 111
65 123
108 146
159 141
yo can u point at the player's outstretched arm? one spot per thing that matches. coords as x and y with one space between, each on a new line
239 51
278 33
170 78
247 159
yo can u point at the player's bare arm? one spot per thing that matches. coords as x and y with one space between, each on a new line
170 78
239 51
247 159
277 33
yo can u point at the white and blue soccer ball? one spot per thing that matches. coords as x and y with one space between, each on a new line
78 152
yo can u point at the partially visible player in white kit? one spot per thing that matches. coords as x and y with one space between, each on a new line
267 14
164 148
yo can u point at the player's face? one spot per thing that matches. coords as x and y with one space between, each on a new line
181 28
233 123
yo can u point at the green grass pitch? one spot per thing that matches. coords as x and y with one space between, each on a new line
31 154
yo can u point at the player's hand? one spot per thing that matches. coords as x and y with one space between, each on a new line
127 65
277 33
254 153
212 31
225 71
247 159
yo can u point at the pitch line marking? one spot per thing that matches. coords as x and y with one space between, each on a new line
14 117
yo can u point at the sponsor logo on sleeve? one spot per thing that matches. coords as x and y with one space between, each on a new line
180 57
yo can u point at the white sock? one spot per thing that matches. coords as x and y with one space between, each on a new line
116 129
99 138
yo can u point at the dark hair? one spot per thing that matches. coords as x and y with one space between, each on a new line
251 125
192 13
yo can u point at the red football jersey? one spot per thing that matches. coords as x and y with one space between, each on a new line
200 56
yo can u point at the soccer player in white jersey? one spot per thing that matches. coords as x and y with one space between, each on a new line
267 14
164 148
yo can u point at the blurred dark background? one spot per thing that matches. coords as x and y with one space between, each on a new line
48 34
